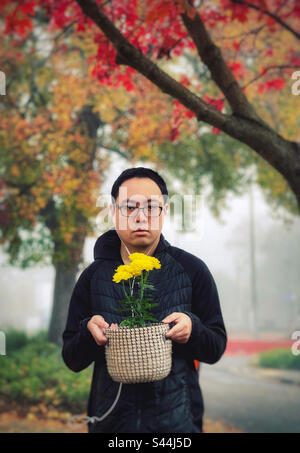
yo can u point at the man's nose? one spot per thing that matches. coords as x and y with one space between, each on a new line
141 216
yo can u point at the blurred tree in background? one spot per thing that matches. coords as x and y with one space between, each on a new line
50 167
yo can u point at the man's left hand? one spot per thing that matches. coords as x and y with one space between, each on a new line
183 327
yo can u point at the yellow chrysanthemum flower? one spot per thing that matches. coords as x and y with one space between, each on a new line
123 268
136 268
146 262
137 256
139 263
118 276
123 272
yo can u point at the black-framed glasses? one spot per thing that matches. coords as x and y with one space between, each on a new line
149 211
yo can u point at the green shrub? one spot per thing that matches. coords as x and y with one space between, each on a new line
36 374
15 339
278 358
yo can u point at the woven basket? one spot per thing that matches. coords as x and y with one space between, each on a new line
139 354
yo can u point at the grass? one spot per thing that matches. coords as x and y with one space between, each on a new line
281 358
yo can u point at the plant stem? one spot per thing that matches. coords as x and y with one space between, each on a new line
124 289
142 286
133 281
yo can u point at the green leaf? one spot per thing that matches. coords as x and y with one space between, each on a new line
125 323
148 286
152 305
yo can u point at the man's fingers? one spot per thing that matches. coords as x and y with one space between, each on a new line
100 321
179 336
182 329
97 326
179 329
180 325
98 335
172 317
175 330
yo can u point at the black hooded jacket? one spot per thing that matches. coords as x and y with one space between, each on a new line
183 284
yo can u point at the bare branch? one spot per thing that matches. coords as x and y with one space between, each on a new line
268 13
269 68
113 150
212 57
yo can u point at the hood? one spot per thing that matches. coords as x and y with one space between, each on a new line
108 245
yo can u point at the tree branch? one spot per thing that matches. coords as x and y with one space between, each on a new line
212 57
131 56
244 125
118 151
268 13
269 68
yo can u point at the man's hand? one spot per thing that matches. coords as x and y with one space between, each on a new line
183 327
97 326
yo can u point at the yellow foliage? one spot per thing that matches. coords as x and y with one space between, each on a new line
31 417
15 171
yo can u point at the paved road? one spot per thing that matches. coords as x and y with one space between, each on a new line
250 403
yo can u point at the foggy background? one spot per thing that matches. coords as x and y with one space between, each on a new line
27 295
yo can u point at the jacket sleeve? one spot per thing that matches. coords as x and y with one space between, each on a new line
208 338
79 347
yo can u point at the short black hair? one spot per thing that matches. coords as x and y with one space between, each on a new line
139 172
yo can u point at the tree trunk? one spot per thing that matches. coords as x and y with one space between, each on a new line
65 279
65 274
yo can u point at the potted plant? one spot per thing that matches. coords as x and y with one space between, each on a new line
138 350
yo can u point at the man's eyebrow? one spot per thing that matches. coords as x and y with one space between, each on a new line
149 199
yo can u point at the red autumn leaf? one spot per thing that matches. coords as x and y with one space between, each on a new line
217 103
159 10
184 80
189 114
236 45
237 68
216 131
274 84
174 134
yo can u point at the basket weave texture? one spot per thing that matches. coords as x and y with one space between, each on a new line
139 354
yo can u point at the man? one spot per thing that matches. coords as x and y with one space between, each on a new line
187 299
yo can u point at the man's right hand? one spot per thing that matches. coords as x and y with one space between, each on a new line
97 326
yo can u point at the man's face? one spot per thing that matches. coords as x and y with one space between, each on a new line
134 193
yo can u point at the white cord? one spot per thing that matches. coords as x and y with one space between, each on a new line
128 251
110 409
79 419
